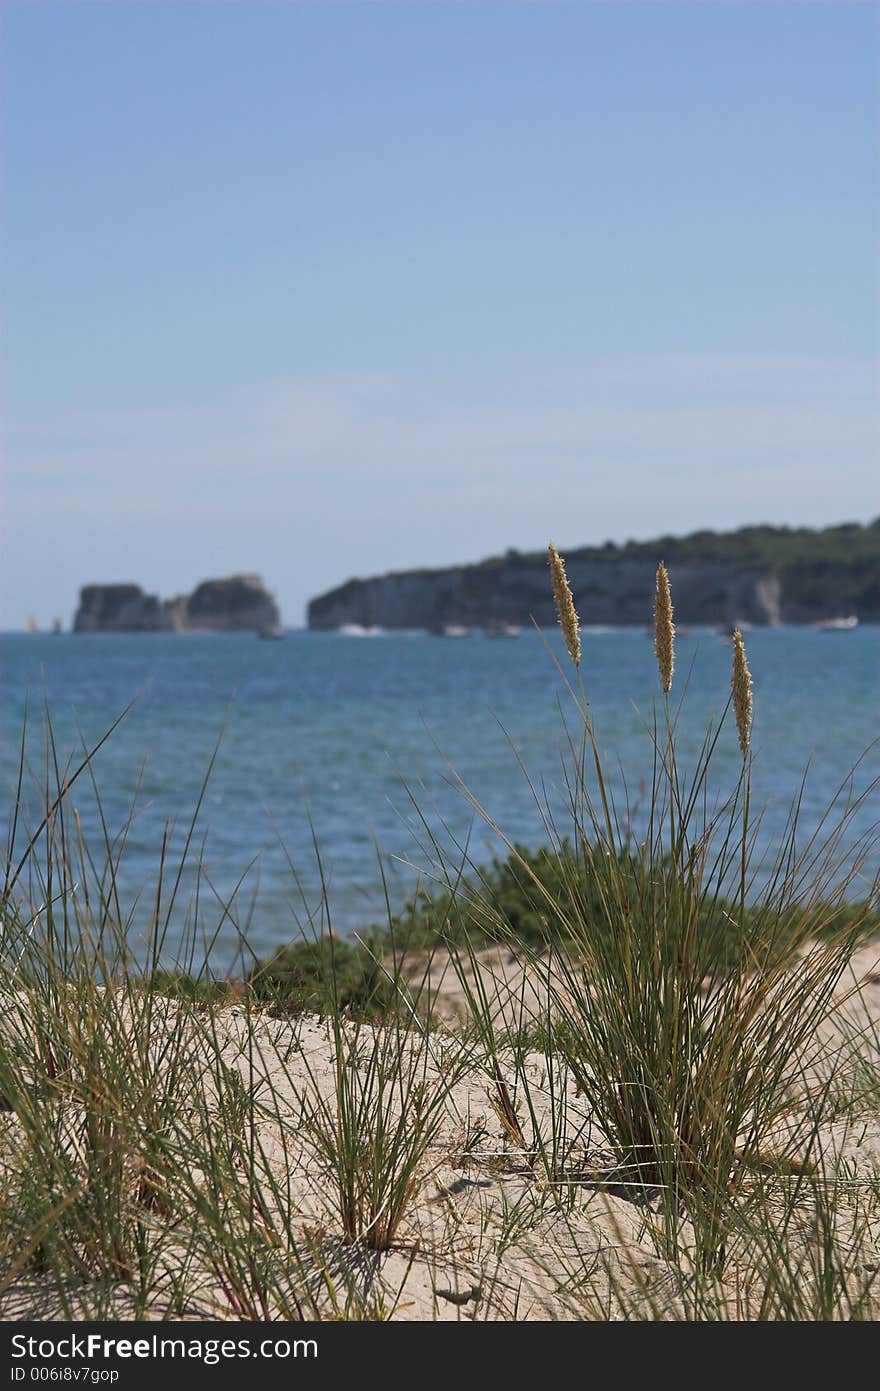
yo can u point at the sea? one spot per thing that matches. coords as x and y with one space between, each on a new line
348 767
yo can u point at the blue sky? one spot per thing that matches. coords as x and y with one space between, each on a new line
319 290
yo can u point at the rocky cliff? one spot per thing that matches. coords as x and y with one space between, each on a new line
516 592
759 575
236 604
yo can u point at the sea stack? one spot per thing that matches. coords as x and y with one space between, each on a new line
120 608
239 603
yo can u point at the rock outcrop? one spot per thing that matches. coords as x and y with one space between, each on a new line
239 603
120 608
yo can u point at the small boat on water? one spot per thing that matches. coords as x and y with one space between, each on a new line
503 630
837 625
451 630
32 625
271 632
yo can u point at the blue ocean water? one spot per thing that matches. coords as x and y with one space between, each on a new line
342 735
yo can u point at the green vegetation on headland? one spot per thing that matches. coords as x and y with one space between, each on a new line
848 543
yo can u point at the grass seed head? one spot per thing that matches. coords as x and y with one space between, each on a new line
741 682
565 609
664 628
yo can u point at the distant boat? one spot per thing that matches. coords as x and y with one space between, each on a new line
32 625
271 632
454 630
837 625
503 630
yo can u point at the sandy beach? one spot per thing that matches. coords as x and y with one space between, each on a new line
485 1235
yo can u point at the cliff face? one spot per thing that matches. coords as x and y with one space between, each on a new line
239 603
616 590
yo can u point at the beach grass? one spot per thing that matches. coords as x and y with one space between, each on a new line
631 1073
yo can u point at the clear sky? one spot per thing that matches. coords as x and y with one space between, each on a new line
318 290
